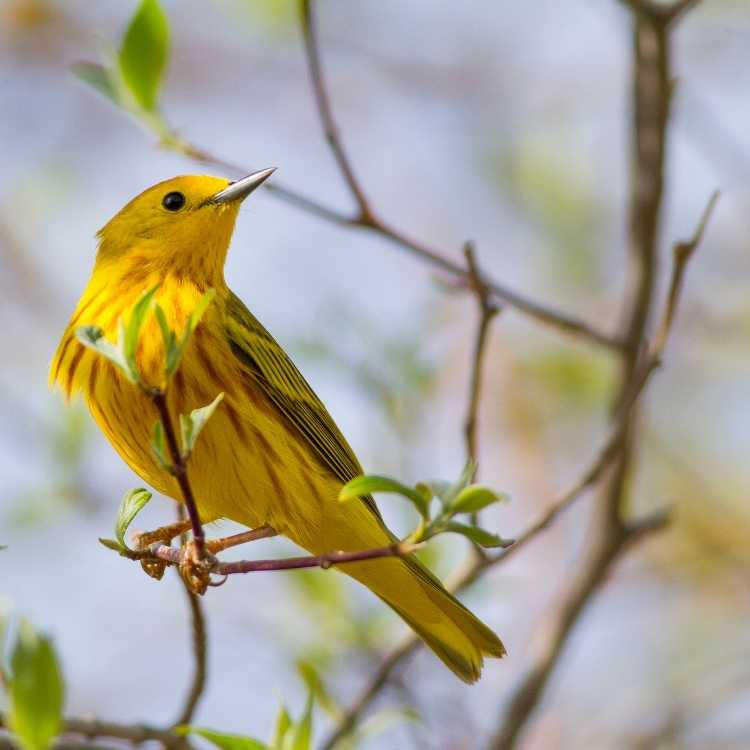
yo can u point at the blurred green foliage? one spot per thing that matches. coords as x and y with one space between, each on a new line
34 686
394 369
67 441
555 188
571 379
144 51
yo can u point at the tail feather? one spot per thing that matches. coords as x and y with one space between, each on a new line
456 635
458 638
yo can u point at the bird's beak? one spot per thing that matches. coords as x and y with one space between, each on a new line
239 190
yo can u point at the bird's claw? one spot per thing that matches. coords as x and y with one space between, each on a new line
195 568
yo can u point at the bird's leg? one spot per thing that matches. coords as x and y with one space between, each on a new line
262 532
196 569
163 535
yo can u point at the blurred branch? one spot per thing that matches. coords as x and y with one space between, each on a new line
309 32
199 644
366 218
60 744
475 569
612 535
92 729
660 12
608 546
487 311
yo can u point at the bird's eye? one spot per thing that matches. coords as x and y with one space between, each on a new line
173 201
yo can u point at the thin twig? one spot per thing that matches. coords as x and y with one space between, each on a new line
612 534
136 734
175 556
309 34
179 468
60 744
487 311
200 657
199 643
366 218
476 568
682 252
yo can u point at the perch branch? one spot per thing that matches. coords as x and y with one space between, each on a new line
179 468
174 556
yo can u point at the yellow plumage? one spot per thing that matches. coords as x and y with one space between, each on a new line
271 454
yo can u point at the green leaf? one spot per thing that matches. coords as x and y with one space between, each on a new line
36 690
167 334
192 424
222 739
98 77
370 483
143 55
111 544
132 329
93 338
131 505
425 491
159 446
480 536
299 736
475 497
317 688
4 676
383 721
449 492
282 726
175 354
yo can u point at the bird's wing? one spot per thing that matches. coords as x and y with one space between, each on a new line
273 371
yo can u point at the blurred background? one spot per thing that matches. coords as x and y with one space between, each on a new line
503 123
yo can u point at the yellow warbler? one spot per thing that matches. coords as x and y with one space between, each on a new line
271 454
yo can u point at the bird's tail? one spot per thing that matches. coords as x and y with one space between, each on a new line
459 638
456 635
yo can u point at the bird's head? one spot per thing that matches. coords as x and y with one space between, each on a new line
183 225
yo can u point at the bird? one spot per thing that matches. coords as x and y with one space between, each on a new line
271 454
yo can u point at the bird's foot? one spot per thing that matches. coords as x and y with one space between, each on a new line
163 535
195 567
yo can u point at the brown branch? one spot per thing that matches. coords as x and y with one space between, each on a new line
309 34
136 734
367 219
474 569
487 311
681 254
606 455
200 657
179 469
60 744
663 14
174 556
612 534
159 552
199 643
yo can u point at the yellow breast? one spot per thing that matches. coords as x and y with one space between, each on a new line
248 464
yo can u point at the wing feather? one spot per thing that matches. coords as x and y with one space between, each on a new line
273 371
